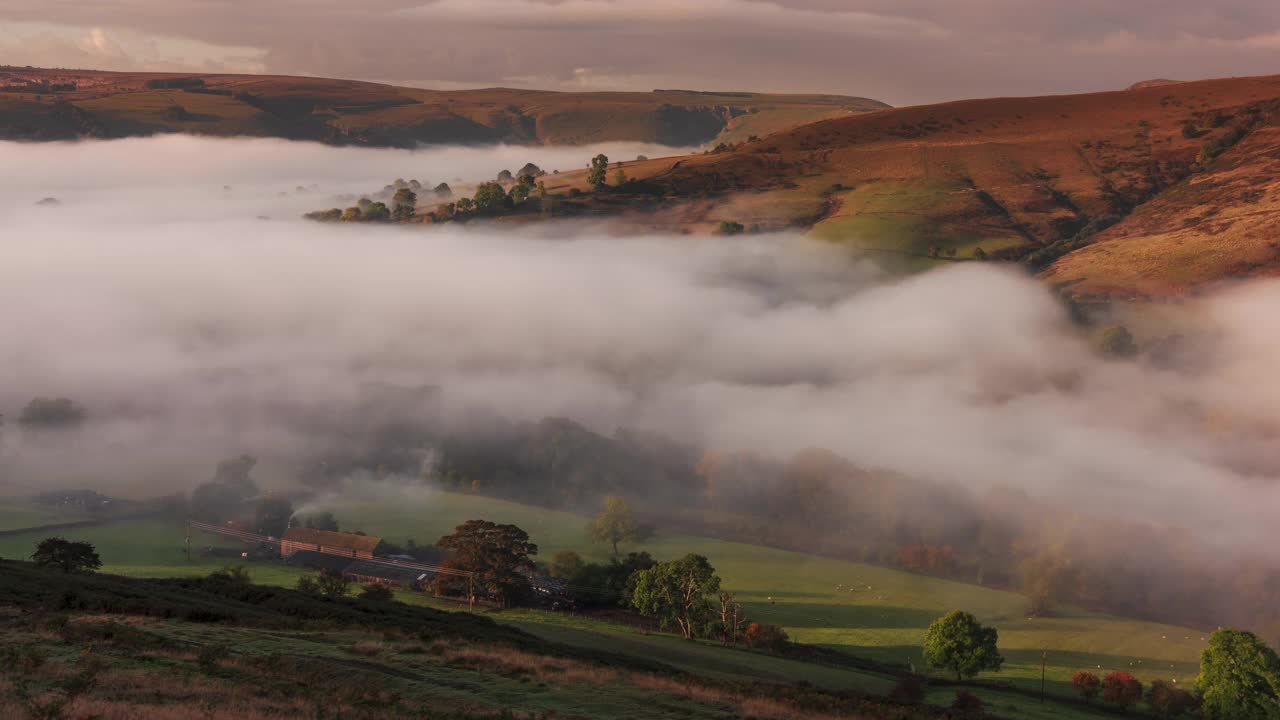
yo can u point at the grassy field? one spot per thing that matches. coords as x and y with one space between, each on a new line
884 619
16 515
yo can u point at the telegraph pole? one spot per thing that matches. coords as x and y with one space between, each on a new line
1043 655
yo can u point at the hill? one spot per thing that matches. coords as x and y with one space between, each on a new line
1173 170
40 104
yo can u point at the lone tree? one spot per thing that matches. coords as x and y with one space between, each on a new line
615 524
1086 684
1122 690
959 643
497 554
676 592
1239 678
599 167
66 555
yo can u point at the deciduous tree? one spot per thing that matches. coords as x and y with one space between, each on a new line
66 555
1239 678
676 592
1086 684
499 555
959 643
615 524
1121 689
599 167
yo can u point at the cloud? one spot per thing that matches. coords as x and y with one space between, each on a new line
900 51
194 329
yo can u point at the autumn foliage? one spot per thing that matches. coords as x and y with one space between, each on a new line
1086 684
1121 689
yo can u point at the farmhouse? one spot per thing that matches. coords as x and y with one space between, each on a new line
324 541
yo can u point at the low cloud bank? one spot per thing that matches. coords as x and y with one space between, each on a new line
191 330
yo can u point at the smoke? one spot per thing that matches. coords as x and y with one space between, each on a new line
192 329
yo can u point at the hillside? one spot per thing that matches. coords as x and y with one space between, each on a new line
1181 169
38 104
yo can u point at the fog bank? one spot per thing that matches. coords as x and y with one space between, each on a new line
192 328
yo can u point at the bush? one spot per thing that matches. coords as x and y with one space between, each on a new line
1086 684
908 691
768 637
968 703
1121 689
376 592
238 574
730 227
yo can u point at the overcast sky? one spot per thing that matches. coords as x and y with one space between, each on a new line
899 51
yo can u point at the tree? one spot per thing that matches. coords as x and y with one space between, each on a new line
403 204
465 205
44 412
443 191
979 254
1086 684
376 592
615 524
732 618
332 584
66 555
322 521
223 498
497 554
676 592
599 167
1117 342
530 170
959 643
619 177
506 178
1047 578
565 564
1121 689
351 214
378 212
271 517
519 194
730 227
1239 678
1167 700
490 197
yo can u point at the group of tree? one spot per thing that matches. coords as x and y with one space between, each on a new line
51 413
1239 680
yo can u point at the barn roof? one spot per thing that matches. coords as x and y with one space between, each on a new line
350 541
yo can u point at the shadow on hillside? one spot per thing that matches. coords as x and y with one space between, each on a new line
820 615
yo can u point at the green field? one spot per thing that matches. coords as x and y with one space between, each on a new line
808 595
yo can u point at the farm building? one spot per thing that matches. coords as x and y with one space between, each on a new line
313 560
335 543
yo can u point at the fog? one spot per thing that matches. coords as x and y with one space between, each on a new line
175 292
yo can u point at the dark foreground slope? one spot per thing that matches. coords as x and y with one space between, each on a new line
114 647
38 104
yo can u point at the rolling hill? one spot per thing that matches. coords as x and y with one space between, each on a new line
39 104
1167 188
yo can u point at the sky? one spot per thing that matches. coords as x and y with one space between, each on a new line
898 51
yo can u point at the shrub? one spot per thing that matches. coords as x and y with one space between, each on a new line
1121 689
968 703
238 574
376 592
1168 700
764 636
1086 684
730 227
908 691
209 655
